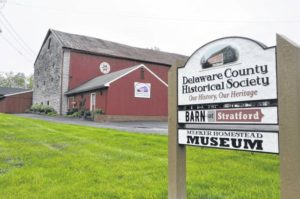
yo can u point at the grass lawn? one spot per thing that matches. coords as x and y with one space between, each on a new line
40 159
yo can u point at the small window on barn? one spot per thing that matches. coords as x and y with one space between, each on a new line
51 79
49 43
44 83
48 103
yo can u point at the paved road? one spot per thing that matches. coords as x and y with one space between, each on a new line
146 127
139 127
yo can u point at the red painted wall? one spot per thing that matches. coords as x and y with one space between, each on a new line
121 100
101 99
84 67
16 103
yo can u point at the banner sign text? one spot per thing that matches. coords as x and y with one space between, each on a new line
266 142
259 115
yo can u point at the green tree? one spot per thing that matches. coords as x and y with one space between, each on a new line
18 80
2 79
29 81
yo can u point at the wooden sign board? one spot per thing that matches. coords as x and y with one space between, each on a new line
255 141
236 70
257 115
229 70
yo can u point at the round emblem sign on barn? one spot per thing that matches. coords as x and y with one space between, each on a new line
104 67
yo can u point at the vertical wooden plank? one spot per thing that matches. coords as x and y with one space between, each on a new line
176 153
288 66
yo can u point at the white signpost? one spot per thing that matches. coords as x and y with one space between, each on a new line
226 97
227 71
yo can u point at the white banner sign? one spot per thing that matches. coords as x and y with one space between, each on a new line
228 70
266 142
142 90
259 115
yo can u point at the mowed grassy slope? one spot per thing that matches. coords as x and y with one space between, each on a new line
47 160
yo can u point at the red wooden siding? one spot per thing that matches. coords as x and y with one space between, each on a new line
16 103
84 67
119 98
122 101
101 99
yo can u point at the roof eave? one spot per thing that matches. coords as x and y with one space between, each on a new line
120 57
68 93
18 93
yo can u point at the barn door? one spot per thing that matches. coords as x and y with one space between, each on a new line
93 102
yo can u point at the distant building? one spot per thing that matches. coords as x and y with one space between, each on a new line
121 80
15 100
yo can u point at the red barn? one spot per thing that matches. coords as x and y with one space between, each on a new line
123 81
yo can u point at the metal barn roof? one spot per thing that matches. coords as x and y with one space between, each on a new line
8 91
103 47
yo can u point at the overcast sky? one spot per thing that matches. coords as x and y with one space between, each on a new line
171 25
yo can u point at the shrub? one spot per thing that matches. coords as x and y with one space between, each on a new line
40 108
75 114
47 109
87 113
80 112
35 108
72 110
98 111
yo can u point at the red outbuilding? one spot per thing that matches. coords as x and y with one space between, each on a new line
133 91
15 100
